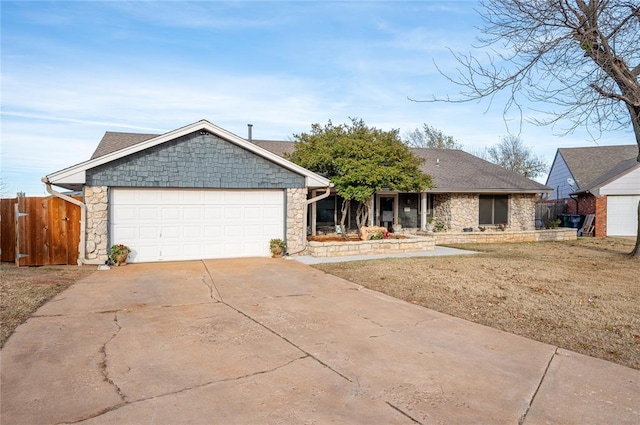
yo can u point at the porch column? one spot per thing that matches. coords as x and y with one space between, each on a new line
372 209
423 211
313 214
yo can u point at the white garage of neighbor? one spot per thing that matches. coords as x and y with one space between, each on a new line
622 215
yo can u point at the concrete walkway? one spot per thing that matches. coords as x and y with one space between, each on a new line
437 252
263 341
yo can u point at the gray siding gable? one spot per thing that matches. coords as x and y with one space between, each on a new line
197 160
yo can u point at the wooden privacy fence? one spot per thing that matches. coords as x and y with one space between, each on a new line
549 211
36 231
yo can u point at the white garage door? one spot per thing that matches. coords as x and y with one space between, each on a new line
622 215
185 224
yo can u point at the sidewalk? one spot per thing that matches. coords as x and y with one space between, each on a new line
438 251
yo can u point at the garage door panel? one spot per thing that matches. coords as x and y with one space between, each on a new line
148 213
144 198
213 213
171 233
192 212
211 232
172 224
148 232
127 232
170 213
622 214
271 213
125 214
171 196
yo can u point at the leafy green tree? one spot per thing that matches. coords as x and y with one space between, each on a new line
512 154
430 137
359 161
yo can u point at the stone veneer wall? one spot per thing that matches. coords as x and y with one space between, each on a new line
460 210
464 211
522 211
383 246
296 231
96 199
442 208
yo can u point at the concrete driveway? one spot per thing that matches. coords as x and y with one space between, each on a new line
263 341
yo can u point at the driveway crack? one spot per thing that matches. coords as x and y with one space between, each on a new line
214 293
289 342
103 363
533 397
402 412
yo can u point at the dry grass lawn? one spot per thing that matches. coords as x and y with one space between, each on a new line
583 296
23 290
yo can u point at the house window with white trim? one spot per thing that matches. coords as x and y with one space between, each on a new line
494 209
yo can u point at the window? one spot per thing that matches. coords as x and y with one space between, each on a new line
494 209
326 210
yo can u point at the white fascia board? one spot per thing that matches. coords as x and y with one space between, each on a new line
77 173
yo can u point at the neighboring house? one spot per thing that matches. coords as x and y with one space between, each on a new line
468 192
194 192
602 180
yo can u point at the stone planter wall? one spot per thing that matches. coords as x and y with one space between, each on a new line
384 246
563 234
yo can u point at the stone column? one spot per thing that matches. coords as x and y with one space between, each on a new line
96 200
296 230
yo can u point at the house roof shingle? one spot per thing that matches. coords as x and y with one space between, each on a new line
451 170
593 166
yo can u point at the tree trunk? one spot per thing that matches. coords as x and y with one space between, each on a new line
343 216
635 120
636 251
362 214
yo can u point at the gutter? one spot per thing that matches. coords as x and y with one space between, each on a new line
83 214
305 214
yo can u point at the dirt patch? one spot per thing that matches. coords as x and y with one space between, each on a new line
580 295
24 289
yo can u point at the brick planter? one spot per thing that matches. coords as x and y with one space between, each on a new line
384 246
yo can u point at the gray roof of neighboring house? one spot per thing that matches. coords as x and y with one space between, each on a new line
451 170
594 166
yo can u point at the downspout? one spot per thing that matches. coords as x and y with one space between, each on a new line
83 213
577 204
305 210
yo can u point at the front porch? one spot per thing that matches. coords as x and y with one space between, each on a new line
427 211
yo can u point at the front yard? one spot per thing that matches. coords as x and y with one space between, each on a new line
582 295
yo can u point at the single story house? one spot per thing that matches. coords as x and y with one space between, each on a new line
468 192
202 192
599 180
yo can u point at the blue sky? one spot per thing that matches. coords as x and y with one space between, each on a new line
73 70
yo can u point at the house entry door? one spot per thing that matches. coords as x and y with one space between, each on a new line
387 208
